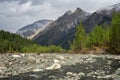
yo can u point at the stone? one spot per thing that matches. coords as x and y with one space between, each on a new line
23 55
37 70
33 75
56 65
118 71
3 69
60 57
16 56
108 76
71 74
117 78
2 64
53 77
99 77
109 62
56 61
38 61
81 74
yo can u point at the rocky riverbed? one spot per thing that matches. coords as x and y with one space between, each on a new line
59 67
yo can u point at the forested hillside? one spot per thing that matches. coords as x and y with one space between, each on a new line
10 42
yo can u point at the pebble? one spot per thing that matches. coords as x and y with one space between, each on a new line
71 74
2 70
109 62
56 65
60 57
108 76
118 71
23 55
16 56
34 75
37 70
117 78
81 74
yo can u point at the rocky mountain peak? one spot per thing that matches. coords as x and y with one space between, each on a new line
78 10
68 12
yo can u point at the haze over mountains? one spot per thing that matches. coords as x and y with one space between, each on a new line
62 31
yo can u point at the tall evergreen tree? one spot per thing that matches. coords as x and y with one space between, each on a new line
115 32
96 37
80 37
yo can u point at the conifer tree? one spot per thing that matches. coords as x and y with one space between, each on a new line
80 37
115 32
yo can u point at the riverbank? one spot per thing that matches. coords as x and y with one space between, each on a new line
53 66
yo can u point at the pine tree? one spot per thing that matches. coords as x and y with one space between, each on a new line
115 32
80 38
96 37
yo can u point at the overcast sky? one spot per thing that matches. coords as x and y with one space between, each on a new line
15 14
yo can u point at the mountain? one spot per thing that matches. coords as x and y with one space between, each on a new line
96 19
101 17
62 30
31 30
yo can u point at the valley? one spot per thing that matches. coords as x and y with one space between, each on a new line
77 45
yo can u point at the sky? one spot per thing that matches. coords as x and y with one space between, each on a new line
15 14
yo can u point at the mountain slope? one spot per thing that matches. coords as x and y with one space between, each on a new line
61 31
58 32
96 19
101 17
31 30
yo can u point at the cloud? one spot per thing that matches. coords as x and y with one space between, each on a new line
15 14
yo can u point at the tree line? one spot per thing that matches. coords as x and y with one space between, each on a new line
12 43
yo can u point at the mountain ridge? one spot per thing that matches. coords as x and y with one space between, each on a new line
62 30
30 30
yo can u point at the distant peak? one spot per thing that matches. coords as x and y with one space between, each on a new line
109 9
